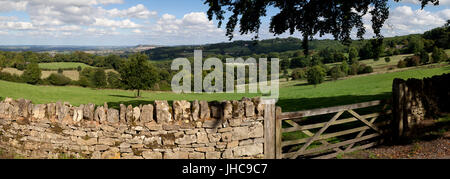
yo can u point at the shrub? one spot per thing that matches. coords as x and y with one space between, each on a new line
114 80
79 68
401 64
424 57
354 69
336 73
316 75
60 70
32 74
298 74
84 81
10 77
413 61
99 78
345 68
58 79
439 55
364 69
387 59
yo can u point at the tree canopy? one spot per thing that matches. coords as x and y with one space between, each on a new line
308 17
138 74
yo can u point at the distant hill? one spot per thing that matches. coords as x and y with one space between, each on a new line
58 48
248 48
236 48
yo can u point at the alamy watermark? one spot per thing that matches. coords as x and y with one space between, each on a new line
259 79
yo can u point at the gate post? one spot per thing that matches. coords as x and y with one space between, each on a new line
269 129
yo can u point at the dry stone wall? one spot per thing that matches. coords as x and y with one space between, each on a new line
197 130
416 100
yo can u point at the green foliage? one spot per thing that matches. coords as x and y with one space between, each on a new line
336 73
366 52
353 55
32 74
79 68
424 56
354 69
10 77
364 69
316 75
58 79
439 55
387 59
60 70
300 62
93 77
114 80
345 68
84 81
298 74
99 78
440 36
415 44
402 64
412 61
138 74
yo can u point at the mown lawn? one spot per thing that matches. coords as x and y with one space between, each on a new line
349 91
292 97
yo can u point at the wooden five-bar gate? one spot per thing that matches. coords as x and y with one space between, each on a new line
326 138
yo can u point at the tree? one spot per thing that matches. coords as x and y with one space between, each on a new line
32 74
424 56
336 73
316 75
438 55
298 74
137 73
113 80
415 44
310 18
345 68
286 74
366 52
79 69
353 55
58 79
99 78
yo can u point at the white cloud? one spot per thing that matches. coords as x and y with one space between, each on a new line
139 11
16 25
127 23
8 18
417 2
195 23
110 1
7 6
404 20
137 31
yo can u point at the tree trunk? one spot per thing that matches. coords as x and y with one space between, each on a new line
139 93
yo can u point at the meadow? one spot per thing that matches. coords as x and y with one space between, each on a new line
294 96
63 65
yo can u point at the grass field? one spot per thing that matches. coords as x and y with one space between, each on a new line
292 97
62 65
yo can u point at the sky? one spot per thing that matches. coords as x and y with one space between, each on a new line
156 22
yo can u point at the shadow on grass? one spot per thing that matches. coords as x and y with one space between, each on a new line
123 96
290 105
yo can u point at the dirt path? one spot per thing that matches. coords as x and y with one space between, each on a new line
429 148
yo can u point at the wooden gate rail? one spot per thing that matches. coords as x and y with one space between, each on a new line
292 118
